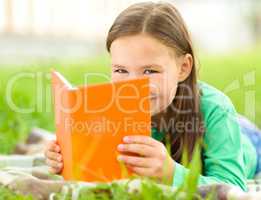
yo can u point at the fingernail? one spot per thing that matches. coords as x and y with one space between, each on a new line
126 139
120 147
120 158
57 149
59 158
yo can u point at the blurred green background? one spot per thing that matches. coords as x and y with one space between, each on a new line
37 36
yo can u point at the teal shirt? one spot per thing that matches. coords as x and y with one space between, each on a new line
228 156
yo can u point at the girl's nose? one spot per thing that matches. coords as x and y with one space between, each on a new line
133 75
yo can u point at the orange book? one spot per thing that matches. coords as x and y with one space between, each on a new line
91 122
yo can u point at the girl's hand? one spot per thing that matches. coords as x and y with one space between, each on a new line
54 157
153 159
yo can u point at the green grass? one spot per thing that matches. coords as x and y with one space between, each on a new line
6 194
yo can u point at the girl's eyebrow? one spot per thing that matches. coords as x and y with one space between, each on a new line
152 66
118 66
145 66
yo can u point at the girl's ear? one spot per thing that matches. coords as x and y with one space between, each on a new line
185 66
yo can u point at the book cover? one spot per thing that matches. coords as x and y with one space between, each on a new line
91 121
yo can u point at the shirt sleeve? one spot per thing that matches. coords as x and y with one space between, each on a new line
222 155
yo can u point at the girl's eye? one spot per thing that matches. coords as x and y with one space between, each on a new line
150 71
121 71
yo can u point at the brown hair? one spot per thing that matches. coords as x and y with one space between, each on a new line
163 22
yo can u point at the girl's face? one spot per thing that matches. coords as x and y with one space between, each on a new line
142 55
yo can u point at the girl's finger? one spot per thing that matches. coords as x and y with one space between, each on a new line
141 149
139 139
141 171
136 161
54 164
53 156
54 170
53 146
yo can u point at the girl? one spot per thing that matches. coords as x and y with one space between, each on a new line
151 39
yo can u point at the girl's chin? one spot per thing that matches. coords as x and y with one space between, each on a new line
157 108
155 111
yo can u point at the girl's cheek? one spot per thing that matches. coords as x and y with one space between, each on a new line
155 84
118 77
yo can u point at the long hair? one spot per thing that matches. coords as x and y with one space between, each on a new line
163 22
